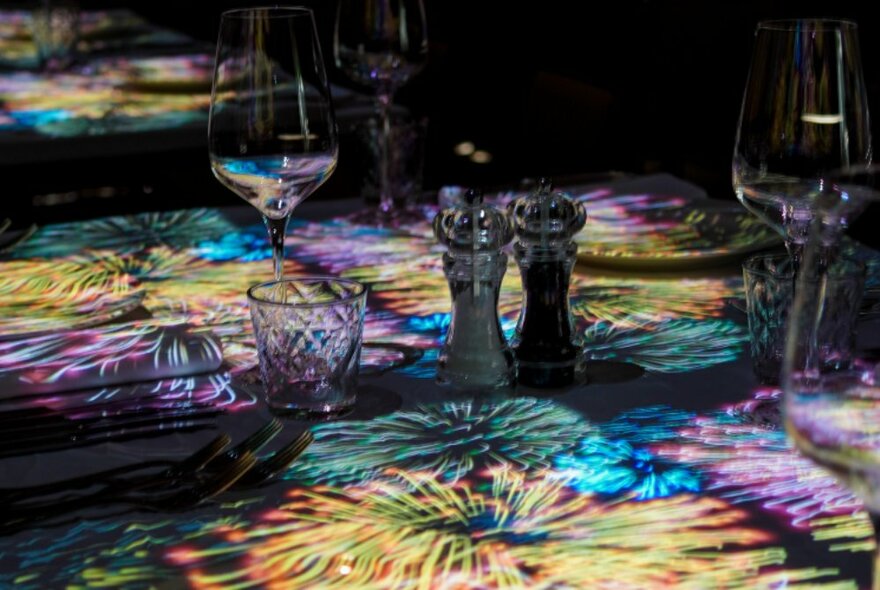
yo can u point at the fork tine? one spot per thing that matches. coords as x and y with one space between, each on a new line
193 462
216 484
253 443
204 455
281 460
286 455
260 438
179 500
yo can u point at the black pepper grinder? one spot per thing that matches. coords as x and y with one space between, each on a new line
544 223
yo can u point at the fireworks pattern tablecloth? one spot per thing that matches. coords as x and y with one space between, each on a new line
668 469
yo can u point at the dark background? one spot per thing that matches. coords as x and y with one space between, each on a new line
555 87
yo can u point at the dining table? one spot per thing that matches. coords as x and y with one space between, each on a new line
133 88
665 465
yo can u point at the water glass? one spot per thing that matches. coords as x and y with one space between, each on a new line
769 286
308 331
55 28
406 159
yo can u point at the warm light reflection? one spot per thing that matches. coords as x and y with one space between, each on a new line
465 148
481 157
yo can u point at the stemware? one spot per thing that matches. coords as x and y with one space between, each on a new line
804 114
272 131
832 408
382 44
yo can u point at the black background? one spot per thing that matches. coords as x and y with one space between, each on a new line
553 87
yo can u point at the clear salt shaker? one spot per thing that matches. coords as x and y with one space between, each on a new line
475 354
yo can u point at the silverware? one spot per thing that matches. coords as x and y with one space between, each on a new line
129 429
183 499
22 429
208 457
277 462
189 464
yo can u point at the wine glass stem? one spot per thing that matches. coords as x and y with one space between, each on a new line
795 252
277 228
386 198
875 566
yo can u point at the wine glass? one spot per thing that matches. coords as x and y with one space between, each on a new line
804 114
832 409
271 131
382 44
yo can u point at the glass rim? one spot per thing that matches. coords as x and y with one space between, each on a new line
853 268
361 293
794 24
272 12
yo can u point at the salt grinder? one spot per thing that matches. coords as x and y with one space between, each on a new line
545 222
475 354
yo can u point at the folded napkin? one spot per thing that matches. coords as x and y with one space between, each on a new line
111 355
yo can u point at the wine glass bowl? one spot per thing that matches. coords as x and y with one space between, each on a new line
804 114
832 409
382 44
272 131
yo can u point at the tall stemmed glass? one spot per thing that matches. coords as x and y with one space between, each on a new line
832 408
271 131
382 44
804 114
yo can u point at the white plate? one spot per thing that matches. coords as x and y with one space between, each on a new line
663 232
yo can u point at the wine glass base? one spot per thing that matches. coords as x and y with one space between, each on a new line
391 218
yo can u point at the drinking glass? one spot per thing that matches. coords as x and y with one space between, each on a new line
271 131
832 410
308 332
804 114
382 44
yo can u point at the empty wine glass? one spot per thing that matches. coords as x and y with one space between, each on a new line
832 408
804 114
271 131
382 44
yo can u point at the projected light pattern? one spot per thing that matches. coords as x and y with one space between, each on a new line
43 295
671 346
502 493
449 440
615 467
216 389
411 529
247 245
98 30
214 295
107 553
660 227
330 245
628 302
746 461
138 352
151 264
127 234
849 532
109 95
648 424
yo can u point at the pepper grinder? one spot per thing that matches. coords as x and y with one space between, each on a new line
545 222
475 354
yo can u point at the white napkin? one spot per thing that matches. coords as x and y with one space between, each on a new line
110 355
